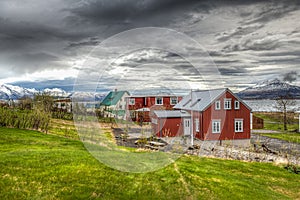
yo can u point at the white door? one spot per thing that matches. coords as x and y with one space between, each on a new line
187 126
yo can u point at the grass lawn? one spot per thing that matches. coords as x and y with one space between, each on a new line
34 165
65 128
274 121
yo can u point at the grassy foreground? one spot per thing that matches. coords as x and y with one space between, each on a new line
34 165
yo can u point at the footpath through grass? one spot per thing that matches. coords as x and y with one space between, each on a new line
34 165
290 137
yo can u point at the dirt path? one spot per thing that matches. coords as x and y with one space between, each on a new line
276 144
264 131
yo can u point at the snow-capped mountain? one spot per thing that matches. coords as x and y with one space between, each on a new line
56 92
271 89
15 92
87 96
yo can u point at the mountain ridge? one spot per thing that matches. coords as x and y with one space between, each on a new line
271 89
13 92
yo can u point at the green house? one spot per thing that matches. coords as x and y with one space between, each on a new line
114 104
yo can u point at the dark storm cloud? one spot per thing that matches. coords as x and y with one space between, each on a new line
274 10
90 42
31 62
280 53
259 44
126 11
290 76
22 32
239 31
235 33
232 71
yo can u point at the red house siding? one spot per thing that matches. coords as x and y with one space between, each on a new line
227 118
171 127
149 102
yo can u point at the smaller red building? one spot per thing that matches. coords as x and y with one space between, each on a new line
140 108
168 123
207 115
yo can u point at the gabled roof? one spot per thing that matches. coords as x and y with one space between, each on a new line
113 98
202 99
171 113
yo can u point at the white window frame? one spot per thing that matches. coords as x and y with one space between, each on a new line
236 105
172 98
162 101
131 101
225 104
218 105
197 125
216 123
239 128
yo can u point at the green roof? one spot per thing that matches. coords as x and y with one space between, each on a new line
113 98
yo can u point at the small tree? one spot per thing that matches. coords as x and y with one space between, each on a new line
43 102
284 104
25 103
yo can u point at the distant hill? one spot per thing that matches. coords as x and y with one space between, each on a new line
270 89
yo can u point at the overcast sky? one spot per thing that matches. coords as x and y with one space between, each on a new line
247 41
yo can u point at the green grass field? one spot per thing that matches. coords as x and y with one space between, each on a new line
290 137
34 165
274 121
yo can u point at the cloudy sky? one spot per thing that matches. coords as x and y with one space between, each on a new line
53 43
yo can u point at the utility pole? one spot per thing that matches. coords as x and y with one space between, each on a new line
192 122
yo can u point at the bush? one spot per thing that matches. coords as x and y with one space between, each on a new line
24 119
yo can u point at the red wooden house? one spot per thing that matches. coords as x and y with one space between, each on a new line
140 108
207 115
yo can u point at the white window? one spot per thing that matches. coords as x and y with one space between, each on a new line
131 101
173 100
227 104
238 125
154 121
216 126
159 101
217 105
236 105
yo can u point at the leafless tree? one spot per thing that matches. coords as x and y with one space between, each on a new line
285 104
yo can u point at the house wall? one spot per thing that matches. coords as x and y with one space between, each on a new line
120 106
149 102
227 118
168 127
258 123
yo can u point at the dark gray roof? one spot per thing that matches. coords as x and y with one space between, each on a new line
171 113
202 99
